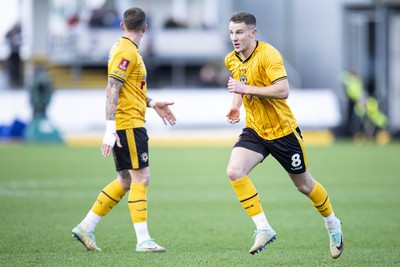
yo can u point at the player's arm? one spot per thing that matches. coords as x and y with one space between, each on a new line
277 90
110 137
233 115
112 92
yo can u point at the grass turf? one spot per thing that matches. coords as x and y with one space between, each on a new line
46 190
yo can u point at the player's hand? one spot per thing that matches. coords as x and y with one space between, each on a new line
109 141
235 86
233 115
163 110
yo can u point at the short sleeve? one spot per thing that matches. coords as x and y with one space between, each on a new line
122 64
275 66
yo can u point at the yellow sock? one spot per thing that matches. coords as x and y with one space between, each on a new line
247 196
137 202
108 198
320 200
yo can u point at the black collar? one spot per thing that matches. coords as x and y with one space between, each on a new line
131 41
248 58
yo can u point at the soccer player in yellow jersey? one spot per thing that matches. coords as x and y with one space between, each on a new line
260 83
126 103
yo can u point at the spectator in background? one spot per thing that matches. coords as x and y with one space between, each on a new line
354 88
209 76
14 39
41 90
172 23
364 119
102 18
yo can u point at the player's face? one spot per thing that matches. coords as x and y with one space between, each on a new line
242 36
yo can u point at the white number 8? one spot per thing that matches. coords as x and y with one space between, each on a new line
296 161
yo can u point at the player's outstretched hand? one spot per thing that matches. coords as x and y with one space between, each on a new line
163 110
233 115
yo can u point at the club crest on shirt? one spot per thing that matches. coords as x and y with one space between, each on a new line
123 65
243 79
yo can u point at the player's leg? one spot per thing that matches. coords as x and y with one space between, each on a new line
136 158
320 200
106 200
295 163
242 161
137 203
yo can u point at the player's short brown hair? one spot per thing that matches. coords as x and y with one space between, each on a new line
134 19
247 18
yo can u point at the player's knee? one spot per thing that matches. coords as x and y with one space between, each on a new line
142 176
145 180
303 188
303 182
234 173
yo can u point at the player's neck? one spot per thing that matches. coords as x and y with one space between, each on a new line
245 54
134 37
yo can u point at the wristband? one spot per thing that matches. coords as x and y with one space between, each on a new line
152 103
109 138
110 126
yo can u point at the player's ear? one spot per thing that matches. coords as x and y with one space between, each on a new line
121 25
254 33
144 28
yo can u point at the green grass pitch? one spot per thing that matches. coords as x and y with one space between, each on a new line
46 190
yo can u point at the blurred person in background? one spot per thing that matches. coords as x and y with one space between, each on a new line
40 129
126 102
364 120
41 89
14 40
208 75
260 83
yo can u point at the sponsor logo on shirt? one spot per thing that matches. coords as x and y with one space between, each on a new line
123 65
119 73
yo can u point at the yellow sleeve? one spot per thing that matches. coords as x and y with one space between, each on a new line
275 67
122 64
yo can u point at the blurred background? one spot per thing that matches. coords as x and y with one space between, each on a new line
342 58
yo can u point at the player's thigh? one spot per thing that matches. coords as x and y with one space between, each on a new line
290 152
242 161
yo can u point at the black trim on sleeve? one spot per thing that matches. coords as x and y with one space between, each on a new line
280 79
118 78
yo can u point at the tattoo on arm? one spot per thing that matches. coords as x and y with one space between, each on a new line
112 93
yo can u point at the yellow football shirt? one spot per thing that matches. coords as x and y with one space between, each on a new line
270 118
126 64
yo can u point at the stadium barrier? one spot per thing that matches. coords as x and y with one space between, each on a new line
79 114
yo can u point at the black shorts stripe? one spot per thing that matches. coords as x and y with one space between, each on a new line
253 196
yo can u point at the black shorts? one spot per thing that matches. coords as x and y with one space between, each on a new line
134 153
289 150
